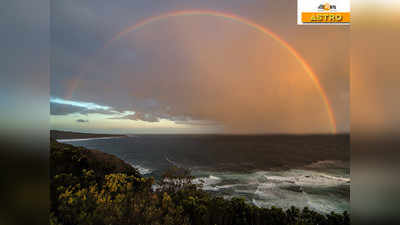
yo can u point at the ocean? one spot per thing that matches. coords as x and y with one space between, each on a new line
267 170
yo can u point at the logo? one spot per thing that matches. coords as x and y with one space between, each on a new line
323 12
326 7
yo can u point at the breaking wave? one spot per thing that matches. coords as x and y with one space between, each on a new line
302 188
142 170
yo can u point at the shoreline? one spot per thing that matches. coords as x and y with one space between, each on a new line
86 139
66 136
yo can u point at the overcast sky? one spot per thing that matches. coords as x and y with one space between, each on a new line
193 74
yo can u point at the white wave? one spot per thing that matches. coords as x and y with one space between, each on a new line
228 186
278 188
214 177
266 190
266 186
336 178
207 180
210 188
208 183
281 179
142 170
306 178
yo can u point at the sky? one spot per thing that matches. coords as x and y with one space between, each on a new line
195 73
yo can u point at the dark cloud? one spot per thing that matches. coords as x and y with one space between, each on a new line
63 109
82 121
58 109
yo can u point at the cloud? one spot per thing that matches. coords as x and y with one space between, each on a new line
87 105
82 121
99 111
148 117
198 122
63 109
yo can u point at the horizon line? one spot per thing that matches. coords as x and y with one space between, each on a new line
263 134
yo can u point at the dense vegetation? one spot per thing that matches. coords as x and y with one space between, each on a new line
93 188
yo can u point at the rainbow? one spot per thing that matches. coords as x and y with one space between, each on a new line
249 23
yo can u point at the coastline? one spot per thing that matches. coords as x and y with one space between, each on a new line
64 136
86 139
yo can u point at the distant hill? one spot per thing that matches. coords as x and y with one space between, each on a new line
67 158
57 134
